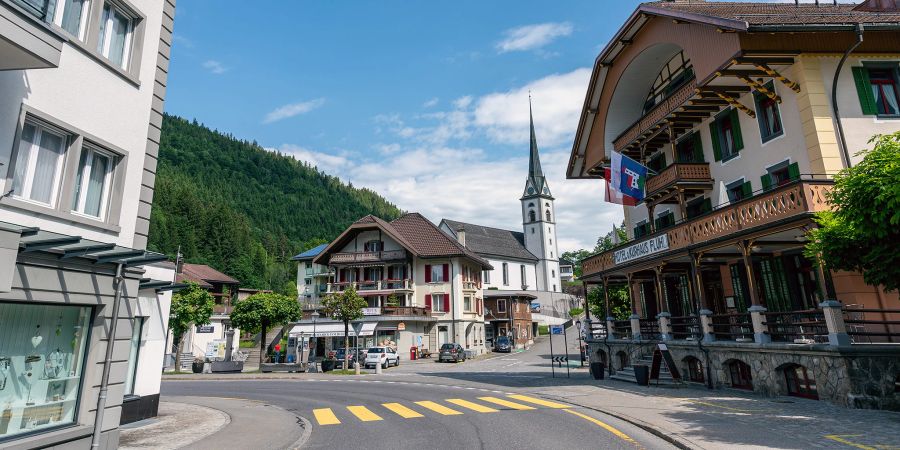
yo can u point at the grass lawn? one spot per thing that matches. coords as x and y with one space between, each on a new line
247 344
347 372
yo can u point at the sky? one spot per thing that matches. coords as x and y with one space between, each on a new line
425 103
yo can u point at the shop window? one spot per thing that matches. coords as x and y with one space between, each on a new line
694 369
780 174
690 149
800 382
739 190
877 88
739 375
42 354
726 135
768 115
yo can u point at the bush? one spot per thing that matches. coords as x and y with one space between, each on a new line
543 330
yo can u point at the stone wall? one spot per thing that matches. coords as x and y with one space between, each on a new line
858 376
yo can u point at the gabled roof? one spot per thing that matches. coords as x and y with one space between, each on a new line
763 14
310 254
566 262
203 275
488 241
429 241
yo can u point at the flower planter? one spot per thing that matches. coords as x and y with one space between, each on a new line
328 365
226 366
197 367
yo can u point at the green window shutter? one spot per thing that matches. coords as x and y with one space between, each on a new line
747 190
660 223
766 182
736 130
794 171
670 218
864 91
662 160
698 148
707 206
717 147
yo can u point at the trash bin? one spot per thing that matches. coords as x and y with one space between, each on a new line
642 375
412 353
597 369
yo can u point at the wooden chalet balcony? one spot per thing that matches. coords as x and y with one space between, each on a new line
692 175
795 199
372 285
647 124
407 311
363 257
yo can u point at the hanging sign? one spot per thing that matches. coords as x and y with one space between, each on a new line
650 246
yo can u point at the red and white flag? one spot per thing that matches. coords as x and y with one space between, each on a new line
613 195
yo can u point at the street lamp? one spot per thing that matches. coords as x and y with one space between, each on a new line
580 345
312 358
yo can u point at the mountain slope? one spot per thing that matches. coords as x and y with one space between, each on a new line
245 210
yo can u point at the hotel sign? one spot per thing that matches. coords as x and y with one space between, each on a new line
649 247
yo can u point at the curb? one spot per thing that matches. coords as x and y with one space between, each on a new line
307 432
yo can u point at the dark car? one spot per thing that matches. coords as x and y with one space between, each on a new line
503 345
356 354
452 352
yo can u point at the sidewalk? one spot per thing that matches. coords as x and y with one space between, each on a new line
693 417
216 424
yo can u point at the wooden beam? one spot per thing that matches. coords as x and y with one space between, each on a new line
733 102
707 101
741 73
711 108
723 89
761 88
772 73
753 60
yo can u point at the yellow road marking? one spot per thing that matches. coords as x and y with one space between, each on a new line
402 411
473 406
838 438
506 403
440 409
364 413
606 427
325 416
538 401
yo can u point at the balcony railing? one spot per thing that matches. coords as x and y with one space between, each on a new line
378 285
679 173
411 311
791 200
471 285
357 257
797 326
656 115
686 327
732 327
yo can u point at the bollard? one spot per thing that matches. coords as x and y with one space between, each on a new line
377 368
356 366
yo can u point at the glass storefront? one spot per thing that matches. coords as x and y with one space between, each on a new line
42 351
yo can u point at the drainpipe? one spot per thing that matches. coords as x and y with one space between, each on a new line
107 363
834 88
453 301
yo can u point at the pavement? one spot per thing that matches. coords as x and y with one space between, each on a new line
687 416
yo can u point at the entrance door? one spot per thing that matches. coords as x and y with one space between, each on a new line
713 290
443 336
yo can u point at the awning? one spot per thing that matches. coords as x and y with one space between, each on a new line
331 329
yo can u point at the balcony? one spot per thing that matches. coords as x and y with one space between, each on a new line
471 285
793 200
27 41
689 176
405 311
647 125
368 257
365 286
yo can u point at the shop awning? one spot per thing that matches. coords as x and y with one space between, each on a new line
331 329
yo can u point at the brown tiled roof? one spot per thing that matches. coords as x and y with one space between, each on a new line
427 240
184 278
761 14
205 273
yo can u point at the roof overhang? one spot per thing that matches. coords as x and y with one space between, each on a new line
352 231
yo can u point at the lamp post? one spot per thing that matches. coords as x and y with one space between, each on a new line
312 358
580 345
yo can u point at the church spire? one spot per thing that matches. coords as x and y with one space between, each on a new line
536 178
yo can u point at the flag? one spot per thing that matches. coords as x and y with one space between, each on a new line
613 195
628 176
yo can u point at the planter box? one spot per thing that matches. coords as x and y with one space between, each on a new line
287 367
226 366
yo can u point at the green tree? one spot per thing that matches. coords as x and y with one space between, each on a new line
619 306
862 231
344 306
259 312
576 312
191 305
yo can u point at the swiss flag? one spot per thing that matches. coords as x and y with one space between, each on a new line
613 195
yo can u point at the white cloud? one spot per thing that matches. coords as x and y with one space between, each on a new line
431 103
324 161
214 67
557 104
463 102
293 109
531 37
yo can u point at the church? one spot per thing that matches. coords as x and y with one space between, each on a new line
526 261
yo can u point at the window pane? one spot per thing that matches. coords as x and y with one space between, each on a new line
96 185
41 362
137 324
25 149
71 20
44 180
79 176
107 10
117 40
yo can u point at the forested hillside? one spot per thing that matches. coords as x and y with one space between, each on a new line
245 210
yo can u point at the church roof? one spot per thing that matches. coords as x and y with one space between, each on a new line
535 172
488 241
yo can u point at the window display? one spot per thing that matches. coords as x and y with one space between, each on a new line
41 363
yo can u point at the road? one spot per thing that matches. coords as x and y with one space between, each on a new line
492 403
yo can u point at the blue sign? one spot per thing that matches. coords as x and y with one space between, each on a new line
556 329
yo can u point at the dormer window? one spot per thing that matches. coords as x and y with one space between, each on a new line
675 74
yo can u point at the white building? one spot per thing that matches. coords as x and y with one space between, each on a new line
312 277
82 84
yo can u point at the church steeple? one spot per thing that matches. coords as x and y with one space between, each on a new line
536 184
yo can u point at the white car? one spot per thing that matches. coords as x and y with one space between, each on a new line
386 356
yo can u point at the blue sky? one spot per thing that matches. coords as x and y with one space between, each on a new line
424 102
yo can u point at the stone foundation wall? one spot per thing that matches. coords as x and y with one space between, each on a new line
857 377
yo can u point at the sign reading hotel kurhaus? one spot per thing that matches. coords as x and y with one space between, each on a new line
650 246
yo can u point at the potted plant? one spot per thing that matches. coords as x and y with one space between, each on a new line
329 362
197 365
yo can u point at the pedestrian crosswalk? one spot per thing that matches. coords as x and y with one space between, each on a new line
425 408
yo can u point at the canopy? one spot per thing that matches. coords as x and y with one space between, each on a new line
331 329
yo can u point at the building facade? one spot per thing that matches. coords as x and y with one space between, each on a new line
82 85
312 278
509 314
732 107
422 287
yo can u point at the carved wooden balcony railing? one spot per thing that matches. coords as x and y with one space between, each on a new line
656 115
686 173
357 257
791 200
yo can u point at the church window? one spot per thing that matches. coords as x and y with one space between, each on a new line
532 230
548 215
551 241
553 273
532 216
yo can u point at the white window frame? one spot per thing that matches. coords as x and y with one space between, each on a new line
437 303
467 304
107 182
501 305
505 274
107 34
82 25
437 277
486 277
31 162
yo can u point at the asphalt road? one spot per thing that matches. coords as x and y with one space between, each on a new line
493 403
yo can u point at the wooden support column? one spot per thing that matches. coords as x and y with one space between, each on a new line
664 317
756 310
635 318
651 207
681 204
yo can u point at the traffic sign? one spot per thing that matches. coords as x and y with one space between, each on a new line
560 359
556 329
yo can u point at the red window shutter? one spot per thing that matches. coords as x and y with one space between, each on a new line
428 302
446 272
446 303
427 273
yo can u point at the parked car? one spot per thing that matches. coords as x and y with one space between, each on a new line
453 352
383 356
503 345
356 354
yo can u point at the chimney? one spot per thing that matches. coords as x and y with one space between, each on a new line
461 236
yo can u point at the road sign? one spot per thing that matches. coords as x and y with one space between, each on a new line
560 359
556 329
